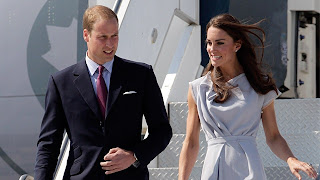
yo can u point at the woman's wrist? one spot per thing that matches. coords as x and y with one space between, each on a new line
291 158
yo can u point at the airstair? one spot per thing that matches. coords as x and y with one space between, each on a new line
169 39
168 160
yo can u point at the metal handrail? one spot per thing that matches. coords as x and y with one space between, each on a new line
116 6
26 177
11 163
62 149
62 152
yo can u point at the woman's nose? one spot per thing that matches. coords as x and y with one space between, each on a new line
211 48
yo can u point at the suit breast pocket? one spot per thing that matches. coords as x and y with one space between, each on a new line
129 98
128 106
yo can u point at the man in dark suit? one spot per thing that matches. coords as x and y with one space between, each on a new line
100 102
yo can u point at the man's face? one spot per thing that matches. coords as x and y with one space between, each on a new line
103 40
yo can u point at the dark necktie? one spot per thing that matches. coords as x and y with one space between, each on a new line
102 92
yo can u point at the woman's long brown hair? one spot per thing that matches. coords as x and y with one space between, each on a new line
252 66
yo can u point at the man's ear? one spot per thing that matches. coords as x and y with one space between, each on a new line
86 35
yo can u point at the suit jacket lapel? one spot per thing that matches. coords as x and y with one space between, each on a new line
116 82
83 83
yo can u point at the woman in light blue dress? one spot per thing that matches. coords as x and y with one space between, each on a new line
228 102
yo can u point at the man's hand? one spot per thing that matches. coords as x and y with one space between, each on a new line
117 160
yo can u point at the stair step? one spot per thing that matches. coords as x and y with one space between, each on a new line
305 146
178 112
170 156
172 173
278 172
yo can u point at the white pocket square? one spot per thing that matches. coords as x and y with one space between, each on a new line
129 92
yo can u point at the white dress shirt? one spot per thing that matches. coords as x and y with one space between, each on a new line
94 72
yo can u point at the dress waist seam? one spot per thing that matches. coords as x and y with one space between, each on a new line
225 139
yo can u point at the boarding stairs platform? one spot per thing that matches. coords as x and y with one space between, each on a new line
298 121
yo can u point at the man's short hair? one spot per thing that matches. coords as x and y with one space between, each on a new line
93 14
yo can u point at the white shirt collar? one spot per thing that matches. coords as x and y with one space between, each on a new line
93 66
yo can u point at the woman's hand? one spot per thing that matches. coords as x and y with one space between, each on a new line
295 166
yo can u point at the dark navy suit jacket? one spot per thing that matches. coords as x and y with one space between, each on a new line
71 105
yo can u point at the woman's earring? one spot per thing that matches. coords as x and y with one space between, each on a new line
236 50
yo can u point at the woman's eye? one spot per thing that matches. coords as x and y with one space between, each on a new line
220 43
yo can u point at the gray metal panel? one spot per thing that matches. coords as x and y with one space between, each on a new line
299 123
273 173
172 173
297 116
170 156
284 173
178 112
305 147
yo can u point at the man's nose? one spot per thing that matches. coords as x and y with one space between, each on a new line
109 43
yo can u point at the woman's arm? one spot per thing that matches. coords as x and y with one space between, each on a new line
279 146
190 148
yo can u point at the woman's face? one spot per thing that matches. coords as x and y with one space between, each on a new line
221 48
